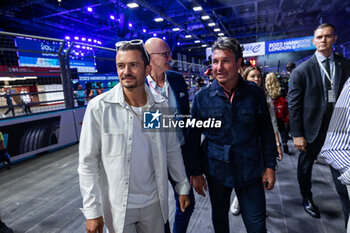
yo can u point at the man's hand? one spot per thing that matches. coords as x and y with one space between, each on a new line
300 143
94 225
184 201
280 153
198 183
268 179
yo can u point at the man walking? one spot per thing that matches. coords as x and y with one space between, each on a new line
122 167
241 153
314 88
172 86
9 103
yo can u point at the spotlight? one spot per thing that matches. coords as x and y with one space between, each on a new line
132 5
159 19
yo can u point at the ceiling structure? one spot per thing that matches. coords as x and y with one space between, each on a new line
110 21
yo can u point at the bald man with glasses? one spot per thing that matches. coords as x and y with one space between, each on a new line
172 86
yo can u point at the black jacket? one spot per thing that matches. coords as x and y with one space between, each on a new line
306 100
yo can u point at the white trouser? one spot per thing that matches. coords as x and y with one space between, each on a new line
144 220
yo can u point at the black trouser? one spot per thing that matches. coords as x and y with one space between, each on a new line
26 108
343 194
181 218
10 109
306 161
282 130
251 201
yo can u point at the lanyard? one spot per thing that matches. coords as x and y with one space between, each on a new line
166 87
228 97
326 73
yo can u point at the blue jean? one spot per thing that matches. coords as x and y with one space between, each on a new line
251 200
4 156
181 219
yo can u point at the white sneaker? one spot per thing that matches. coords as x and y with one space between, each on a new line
3 115
235 210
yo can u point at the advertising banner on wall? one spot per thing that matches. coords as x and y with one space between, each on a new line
254 49
289 45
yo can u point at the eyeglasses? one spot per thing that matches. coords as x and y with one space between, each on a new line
132 42
165 54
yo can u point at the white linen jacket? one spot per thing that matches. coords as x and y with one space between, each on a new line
105 155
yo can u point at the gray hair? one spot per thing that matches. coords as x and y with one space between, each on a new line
229 43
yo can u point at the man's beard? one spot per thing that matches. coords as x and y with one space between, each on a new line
129 86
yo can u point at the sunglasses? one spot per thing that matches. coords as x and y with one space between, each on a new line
132 42
165 54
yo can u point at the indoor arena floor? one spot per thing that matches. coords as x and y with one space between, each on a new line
42 195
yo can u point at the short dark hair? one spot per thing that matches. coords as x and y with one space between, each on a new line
290 66
229 43
325 25
139 48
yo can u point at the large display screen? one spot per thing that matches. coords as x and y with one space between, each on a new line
37 53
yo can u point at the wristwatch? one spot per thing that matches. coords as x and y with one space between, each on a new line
278 144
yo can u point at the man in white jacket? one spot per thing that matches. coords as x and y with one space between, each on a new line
123 167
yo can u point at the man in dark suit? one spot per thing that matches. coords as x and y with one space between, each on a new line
172 86
314 88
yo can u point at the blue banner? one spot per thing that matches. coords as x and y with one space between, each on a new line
98 77
289 45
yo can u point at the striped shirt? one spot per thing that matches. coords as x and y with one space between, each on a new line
336 149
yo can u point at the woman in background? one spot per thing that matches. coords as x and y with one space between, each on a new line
281 109
253 74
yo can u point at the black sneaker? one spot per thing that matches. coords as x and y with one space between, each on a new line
4 228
